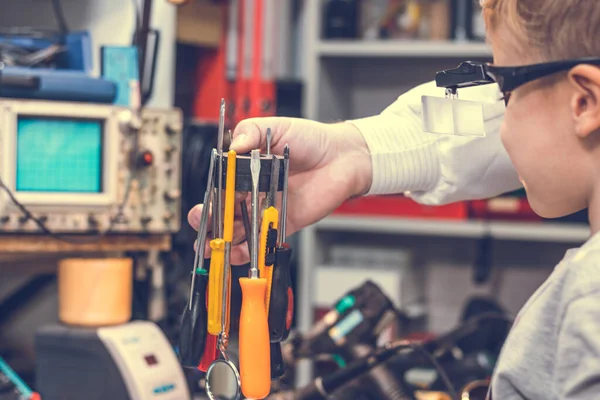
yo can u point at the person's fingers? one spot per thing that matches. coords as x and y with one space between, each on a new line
195 215
240 254
251 133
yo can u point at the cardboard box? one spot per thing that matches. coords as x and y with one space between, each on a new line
200 23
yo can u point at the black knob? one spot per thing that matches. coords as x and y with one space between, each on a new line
4 219
92 221
23 219
146 220
168 217
43 219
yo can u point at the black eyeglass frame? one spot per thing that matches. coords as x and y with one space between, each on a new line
473 73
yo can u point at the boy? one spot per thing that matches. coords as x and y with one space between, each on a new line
551 131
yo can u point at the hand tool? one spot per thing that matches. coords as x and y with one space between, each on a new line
193 320
269 139
217 261
276 356
228 238
246 221
268 232
224 370
254 332
281 297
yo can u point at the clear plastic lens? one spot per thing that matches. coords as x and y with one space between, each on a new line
453 116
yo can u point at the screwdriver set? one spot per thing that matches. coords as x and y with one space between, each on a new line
267 296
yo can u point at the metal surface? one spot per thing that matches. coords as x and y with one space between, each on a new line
284 195
220 169
202 228
223 381
269 139
255 171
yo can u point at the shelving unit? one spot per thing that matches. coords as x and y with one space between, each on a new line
354 79
401 48
474 229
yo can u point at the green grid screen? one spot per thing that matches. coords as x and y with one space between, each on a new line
59 155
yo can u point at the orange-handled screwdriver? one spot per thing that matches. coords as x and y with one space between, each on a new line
255 356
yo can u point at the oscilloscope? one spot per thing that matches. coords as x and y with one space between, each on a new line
73 165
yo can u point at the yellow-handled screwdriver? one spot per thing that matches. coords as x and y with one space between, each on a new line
228 236
268 233
217 261
255 356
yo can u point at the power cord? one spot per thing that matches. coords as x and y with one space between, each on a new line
60 17
63 237
440 370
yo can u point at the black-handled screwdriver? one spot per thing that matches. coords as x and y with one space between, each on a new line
195 316
281 296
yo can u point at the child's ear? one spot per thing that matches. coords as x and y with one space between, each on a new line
585 104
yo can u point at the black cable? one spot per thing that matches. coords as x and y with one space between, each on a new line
440 370
60 17
138 22
62 237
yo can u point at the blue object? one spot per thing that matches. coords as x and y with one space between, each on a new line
59 155
15 379
120 65
164 389
346 325
59 85
77 55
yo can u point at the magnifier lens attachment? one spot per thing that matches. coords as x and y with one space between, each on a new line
223 381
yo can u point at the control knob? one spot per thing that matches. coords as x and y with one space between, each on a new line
174 126
168 216
172 195
146 220
129 122
144 159
4 219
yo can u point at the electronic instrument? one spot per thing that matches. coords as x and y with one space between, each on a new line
76 167
133 361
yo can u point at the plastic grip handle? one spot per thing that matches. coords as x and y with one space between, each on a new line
255 354
215 286
270 220
278 306
193 326
229 198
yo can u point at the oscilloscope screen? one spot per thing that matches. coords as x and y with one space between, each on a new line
59 155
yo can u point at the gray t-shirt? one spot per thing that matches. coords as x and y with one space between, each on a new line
553 349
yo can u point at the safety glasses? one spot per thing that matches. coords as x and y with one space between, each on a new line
471 73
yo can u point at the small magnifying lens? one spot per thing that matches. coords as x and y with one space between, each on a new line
223 381
222 378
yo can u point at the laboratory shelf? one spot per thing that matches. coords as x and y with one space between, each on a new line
401 48
500 230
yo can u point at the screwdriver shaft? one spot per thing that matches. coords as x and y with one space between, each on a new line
269 139
202 229
284 196
220 169
255 172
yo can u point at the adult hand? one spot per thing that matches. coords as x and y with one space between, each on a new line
329 163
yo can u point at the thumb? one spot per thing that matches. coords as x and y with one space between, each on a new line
251 133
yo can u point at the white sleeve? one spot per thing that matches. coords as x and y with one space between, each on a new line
434 168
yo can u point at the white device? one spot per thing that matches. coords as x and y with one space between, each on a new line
133 361
146 361
70 165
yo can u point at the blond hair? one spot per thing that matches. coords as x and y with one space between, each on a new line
549 30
